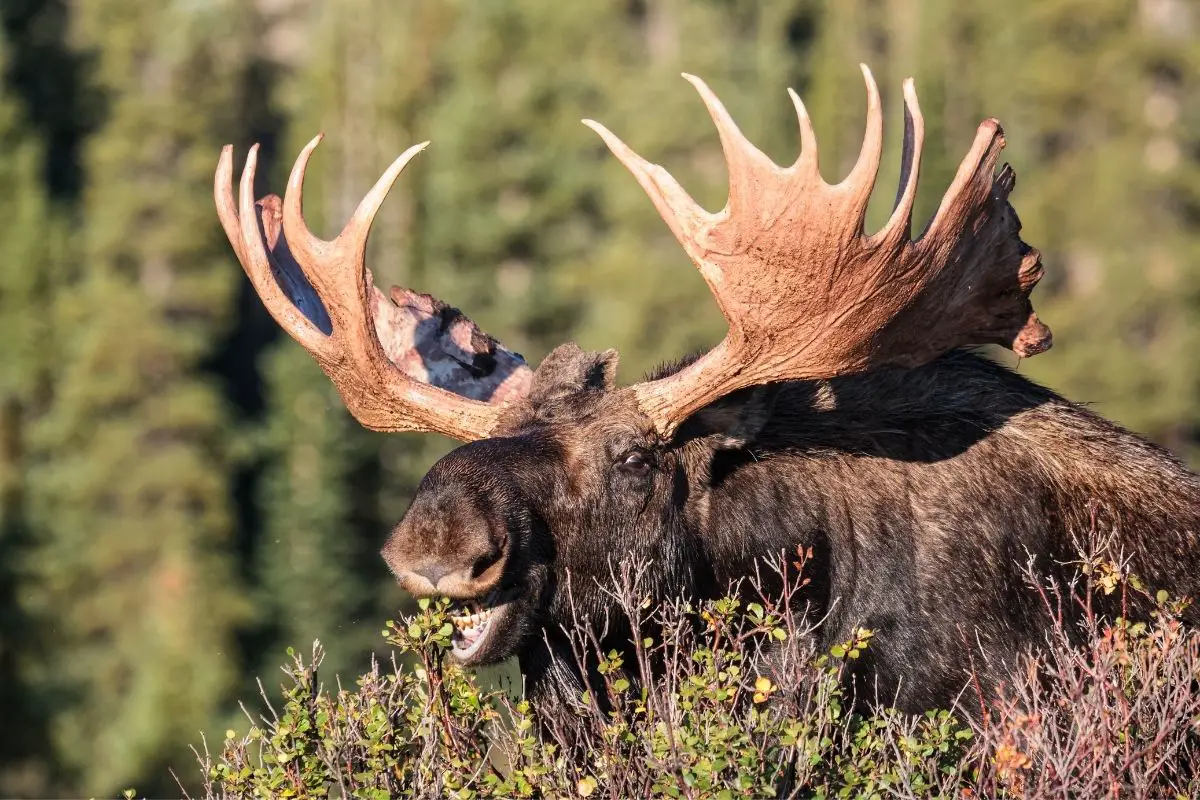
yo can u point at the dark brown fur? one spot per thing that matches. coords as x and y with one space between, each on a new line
922 492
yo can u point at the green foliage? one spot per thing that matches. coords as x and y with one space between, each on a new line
27 272
313 449
723 721
126 464
425 728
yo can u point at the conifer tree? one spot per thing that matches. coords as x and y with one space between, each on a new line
131 483
28 254
317 560
1109 95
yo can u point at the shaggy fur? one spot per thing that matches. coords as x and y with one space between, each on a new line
922 493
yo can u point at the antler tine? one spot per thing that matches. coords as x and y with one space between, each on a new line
967 185
308 248
808 295
861 180
357 229
241 223
808 160
339 265
747 164
227 210
682 214
377 392
899 225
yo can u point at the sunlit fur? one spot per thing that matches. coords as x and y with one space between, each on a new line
922 493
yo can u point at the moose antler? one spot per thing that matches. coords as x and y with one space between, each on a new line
376 350
808 295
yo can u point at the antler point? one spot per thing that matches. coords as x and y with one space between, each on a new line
614 143
313 142
698 82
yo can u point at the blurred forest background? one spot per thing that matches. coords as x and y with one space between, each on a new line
182 496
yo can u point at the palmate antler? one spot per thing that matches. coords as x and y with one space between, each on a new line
409 363
807 294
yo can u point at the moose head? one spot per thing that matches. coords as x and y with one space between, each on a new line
563 469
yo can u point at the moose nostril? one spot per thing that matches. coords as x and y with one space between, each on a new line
433 573
483 563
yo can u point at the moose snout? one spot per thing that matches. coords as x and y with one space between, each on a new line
460 577
454 540
433 573
461 559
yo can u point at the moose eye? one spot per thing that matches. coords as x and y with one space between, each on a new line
636 463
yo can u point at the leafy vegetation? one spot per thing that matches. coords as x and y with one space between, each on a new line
722 717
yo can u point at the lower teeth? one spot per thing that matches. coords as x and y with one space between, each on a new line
471 635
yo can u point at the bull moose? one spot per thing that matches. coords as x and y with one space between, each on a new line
840 414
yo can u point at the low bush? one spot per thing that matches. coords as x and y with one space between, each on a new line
1109 708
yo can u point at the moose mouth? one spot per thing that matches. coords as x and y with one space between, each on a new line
475 622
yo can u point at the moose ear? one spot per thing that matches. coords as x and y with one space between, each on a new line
569 369
733 421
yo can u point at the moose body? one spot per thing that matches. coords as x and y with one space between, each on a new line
923 493
837 415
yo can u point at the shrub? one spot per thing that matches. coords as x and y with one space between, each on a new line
722 716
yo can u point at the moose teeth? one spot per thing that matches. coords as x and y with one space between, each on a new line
471 620
479 611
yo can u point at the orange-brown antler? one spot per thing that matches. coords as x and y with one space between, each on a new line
387 358
808 295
